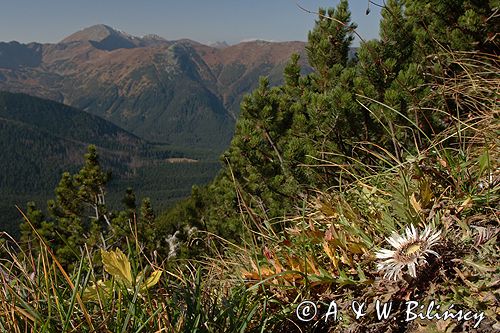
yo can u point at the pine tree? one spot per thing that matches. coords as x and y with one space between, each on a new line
147 213
146 229
91 181
280 129
342 112
337 122
330 40
77 216
466 25
38 222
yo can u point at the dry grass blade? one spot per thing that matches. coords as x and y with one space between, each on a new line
61 270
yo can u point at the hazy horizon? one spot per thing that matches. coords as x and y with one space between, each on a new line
230 21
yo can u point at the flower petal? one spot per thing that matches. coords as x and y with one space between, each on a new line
411 269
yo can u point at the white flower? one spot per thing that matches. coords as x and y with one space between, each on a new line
173 244
411 250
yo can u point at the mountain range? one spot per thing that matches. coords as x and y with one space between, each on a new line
180 93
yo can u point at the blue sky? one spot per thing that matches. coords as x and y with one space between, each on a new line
205 21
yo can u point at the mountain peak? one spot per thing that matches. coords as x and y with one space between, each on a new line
104 37
95 33
153 37
219 45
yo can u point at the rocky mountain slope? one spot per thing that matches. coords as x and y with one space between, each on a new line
177 92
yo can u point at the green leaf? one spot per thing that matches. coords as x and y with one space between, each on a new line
484 162
479 266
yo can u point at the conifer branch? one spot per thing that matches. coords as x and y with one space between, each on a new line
268 137
351 29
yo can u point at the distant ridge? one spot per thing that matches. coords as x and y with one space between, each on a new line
219 45
39 139
64 122
94 33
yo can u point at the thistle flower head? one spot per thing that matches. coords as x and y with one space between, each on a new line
411 249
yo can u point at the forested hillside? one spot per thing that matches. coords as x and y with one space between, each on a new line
40 139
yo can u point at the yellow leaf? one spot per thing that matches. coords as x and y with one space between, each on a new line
100 290
356 248
465 204
310 261
153 279
330 255
291 277
249 275
117 264
415 203
266 272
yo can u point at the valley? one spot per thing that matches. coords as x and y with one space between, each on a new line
40 139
